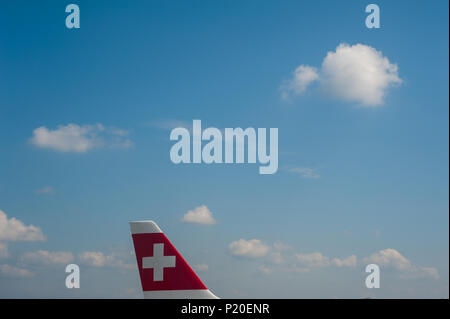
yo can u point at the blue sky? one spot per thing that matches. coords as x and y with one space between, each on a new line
380 173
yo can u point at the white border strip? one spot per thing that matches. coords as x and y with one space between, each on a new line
180 294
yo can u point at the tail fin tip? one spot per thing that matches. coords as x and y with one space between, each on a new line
144 227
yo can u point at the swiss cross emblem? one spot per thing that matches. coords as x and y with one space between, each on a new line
158 262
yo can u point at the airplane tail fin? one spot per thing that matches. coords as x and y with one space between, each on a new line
164 273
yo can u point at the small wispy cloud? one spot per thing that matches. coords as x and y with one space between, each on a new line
280 246
313 260
80 138
45 257
46 190
265 270
253 248
350 261
276 257
201 267
99 259
12 271
304 172
302 77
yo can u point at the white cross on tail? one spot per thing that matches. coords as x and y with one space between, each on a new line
158 262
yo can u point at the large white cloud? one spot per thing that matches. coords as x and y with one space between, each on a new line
12 271
359 73
252 248
45 257
12 229
79 138
356 73
199 215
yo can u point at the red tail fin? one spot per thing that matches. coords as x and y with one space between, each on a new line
164 273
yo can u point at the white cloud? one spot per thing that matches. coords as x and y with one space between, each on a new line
359 73
80 139
345 262
303 76
94 258
313 260
356 73
281 258
11 271
200 215
252 248
47 190
99 259
305 172
201 267
4 250
12 229
45 257
392 258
